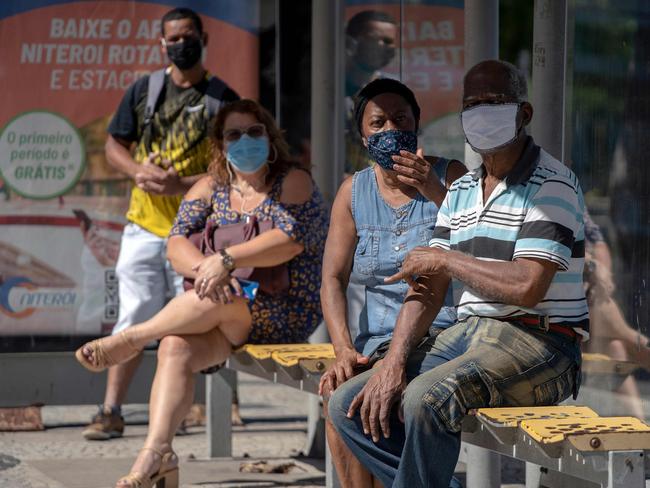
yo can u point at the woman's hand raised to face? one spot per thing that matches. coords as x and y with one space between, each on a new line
414 170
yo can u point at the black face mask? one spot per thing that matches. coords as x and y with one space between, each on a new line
372 56
185 54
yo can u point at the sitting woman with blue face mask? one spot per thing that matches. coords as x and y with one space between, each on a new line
378 216
251 176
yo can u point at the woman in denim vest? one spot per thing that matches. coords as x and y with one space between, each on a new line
379 214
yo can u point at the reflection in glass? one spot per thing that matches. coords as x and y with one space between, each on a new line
421 44
611 121
370 39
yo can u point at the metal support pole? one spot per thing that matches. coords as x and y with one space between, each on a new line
540 477
481 31
327 95
218 405
327 152
626 469
533 475
481 43
551 34
326 146
315 442
550 76
483 468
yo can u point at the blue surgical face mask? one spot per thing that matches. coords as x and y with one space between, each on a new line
248 154
383 145
490 127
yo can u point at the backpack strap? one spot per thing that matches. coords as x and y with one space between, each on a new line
156 82
213 95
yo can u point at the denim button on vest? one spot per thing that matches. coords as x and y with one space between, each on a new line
385 236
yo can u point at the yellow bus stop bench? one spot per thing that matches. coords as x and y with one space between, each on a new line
603 364
570 440
604 372
296 365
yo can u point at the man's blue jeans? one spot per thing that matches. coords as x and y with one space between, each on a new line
479 362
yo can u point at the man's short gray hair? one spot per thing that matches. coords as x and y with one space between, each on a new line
517 82
516 86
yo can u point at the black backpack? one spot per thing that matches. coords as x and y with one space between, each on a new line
213 94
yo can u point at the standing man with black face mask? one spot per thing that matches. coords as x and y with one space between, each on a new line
511 236
159 138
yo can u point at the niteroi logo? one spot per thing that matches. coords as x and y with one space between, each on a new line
20 298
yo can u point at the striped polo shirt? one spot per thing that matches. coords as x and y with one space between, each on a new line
535 212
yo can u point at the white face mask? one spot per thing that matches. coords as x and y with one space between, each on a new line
489 127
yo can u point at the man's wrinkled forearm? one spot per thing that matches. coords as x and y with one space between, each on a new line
505 282
416 315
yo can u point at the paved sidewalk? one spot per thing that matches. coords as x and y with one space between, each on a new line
275 431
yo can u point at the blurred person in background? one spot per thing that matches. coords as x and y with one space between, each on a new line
370 43
610 333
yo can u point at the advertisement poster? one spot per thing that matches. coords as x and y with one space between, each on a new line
64 67
429 58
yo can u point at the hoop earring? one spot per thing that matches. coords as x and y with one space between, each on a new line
275 155
229 169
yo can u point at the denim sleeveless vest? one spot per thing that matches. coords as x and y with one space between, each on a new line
385 235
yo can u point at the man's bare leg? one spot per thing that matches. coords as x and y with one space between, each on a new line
118 381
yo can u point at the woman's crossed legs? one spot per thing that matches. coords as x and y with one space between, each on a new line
195 334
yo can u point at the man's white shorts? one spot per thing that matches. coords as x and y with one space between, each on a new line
146 280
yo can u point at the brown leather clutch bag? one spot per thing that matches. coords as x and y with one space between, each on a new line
273 280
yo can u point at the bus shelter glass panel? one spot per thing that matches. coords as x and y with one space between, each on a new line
421 44
432 64
67 65
610 113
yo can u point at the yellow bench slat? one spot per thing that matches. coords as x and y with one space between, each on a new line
511 416
596 363
551 431
314 351
595 356
287 352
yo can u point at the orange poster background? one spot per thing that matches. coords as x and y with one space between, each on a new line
52 86
53 282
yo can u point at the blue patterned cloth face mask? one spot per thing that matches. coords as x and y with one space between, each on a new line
383 145
248 154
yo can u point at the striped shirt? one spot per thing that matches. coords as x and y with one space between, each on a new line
535 212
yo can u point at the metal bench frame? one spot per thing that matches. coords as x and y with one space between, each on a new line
609 469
